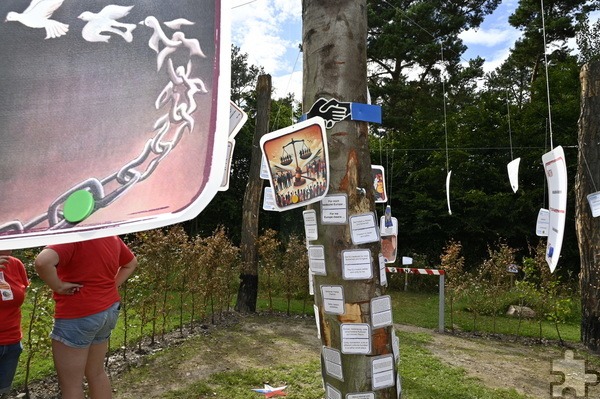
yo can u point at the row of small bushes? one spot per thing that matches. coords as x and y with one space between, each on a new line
491 289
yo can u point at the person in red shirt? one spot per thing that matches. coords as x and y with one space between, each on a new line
85 277
13 284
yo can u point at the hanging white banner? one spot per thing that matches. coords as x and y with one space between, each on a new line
513 173
448 191
556 175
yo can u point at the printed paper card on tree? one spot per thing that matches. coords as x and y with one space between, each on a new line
110 125
379 187
355 338
333 362
363 228
389 238
332 393
357 264
382 371
268 199
316 260
311 229
542 224
594 201
298 163
237 119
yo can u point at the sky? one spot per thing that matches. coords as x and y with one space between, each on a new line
270 32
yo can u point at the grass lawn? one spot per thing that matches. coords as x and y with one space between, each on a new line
423 375
421 309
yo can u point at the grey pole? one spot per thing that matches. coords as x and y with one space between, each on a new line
441 321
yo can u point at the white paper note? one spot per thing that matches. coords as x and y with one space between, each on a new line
357 264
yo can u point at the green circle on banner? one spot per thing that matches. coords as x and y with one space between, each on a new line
78 206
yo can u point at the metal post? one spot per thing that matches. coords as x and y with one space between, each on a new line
441 321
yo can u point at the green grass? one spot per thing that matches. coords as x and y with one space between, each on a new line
303 382
421 309
423 377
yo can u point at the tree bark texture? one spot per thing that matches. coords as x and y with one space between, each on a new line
588 181
335 67
248 290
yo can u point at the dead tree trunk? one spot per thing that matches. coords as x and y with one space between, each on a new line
248 290
335 67
588 181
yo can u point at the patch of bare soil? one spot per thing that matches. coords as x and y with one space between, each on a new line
249 342
243 342
503 361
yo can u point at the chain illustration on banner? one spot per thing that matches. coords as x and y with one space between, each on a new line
178 95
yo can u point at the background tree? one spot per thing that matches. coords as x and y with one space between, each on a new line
486 115
248 290
588 227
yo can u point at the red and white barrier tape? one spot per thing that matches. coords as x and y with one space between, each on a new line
411 270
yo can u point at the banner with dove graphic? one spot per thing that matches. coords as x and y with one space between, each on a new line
113 117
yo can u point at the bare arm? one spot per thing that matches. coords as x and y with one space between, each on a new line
125 271
45 266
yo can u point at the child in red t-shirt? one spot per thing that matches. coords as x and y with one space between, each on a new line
13 283
85 277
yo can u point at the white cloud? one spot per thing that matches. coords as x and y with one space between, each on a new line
258 28
290 83
496 59
489 37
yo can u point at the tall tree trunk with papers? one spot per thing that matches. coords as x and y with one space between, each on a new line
587 182
335 68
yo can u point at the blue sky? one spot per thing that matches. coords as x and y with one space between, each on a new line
270 31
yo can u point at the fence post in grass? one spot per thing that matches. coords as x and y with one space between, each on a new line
442 301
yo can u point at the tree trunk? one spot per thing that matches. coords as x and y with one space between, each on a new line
248 290
586 182
335 67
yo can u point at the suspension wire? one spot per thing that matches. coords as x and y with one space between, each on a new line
243 4
434 149
381 159
544 166
405 16
389 198
588 170
509 128
546 68
286 89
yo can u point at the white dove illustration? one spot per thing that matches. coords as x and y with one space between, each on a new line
178 23
38 14
106 21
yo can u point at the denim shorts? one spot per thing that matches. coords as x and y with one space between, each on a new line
9 358
85 331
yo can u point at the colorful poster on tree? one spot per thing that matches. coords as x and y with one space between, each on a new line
113 118
298 163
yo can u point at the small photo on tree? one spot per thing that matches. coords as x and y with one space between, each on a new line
378 175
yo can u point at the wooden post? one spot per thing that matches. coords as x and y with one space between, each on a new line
335 67
248 290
